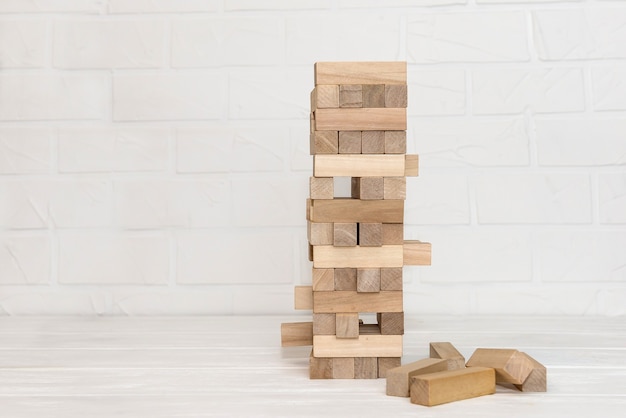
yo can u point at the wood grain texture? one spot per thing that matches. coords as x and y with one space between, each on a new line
373 95
391 323
325 96
303 297
320 233
367 188
395 142
371 234
399 378
372 72
365 367
411 165
417 253
364 346
323 279
373 142
537 380
387 363
350 95
321 188
350 142
352 301
320 368
368 280
344 234
347 325
356 210
452 385
391 278
324 142
326 256
394 188
343 368
511 366
396 95
363 119
360 165
393 234
324 324
446 351
293 334
345 279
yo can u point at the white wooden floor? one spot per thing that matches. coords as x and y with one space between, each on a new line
235 367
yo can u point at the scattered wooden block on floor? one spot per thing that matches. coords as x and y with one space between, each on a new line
368 280
343 368
349 142
366 367
324 324
399 378
320 368
350 95
373 95
446 351
391 278
373 142
323 279
364 346
417 253
511 366
387 363
344 234
324 142
321 188
360 72
391 323
352 301
347 325
537 380
345 279
371 234
303 297
296 334
453 385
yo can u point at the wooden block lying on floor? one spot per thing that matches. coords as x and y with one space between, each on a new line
373 142
364 346
321 188
324 142
411 165
355 210
395 142
358 165
371 234
399 378
364 119
394 188
387 363
326 256
537 380
320 233
511 366
453 385
396 95
303 297
323 279
367 188
446 351
349 142
391 323
324 324
351 301
345 279
373 95
350 95
368 280
365 367
344 234
293 334
347 325
343 368
391 278
325 96
360 72
417 253
320 367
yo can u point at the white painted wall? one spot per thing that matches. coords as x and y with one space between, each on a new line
154 153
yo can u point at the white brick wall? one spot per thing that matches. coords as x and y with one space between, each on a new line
154 153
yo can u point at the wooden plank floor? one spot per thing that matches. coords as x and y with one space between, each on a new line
234 367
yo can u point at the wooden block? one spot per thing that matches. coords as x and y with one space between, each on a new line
321 188
350 301
347 325
348 165
366 368
320 233
452 385
367 188
345 234
373 142
364 346
392 72
343 368
368 329
371 234
353 210
537 380
446 351
373 95
394 188
326 96
391 278
320 368
350 95
411 165
296 334
326 256
387 363
511 366
363 119
323 324
393 234
349 142
395 95
345 279
391 323
323 279
324 142
368 280
399 378
303 297
310 252
395 142
416 253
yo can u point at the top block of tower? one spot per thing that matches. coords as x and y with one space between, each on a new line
360 73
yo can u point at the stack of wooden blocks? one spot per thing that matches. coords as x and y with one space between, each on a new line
356 243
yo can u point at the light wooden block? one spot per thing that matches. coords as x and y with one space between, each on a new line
366 368
396 95
367 188
510 365
326 96
387 363
395 142
392 72
349 165
347 325
326 256
303 297
453 385
364 346
373 142
373 95
296 334
363 119
411 165
391 323
321 188
324 142
345 279
351 301
324 324
391 278
393 234
320 233
399 378
353 210
323 279
371 234
416 253
446 351
350 95
320 368
343 368
537 380
350 142
394 188
368 280
344 234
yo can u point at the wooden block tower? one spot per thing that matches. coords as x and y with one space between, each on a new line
356 244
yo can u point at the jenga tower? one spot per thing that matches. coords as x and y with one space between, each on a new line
356 244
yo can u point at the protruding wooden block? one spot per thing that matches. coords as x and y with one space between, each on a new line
399 378
326 256
350 95
391 323
396 95
373 95
364 119
343 368
387 363
411 165
446 351
391 278
345 234
350 301
371 234
453 385
364 346
320 367
321 188
296 334
416 253
345 279
373 142
394 188
324 324
511 366
367 188
320 233
349 142
368 280
323 279
393 234
360 72
326 96
324 142
347 325
395 142
366 368
355 210
303 297
348 165
537 380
